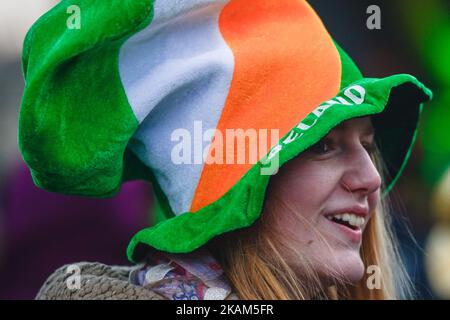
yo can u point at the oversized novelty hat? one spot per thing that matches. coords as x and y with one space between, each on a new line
114 100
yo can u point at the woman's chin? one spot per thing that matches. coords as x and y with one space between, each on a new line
349 268
355 272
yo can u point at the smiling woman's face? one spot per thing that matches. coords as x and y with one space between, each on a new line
328 195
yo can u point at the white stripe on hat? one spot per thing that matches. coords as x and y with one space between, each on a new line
176 71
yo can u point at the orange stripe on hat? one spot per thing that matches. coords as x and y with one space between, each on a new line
285 65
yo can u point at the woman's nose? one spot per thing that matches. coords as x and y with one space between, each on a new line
361 175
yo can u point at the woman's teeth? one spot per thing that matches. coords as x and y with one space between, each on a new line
351 219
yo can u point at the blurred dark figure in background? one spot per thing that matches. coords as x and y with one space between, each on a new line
42 231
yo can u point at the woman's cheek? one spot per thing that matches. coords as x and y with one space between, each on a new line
374 199
322 181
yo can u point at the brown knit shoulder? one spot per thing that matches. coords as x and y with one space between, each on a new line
97 282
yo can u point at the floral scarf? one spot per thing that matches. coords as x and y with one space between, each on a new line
191 276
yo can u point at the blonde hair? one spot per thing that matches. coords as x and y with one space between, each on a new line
257 270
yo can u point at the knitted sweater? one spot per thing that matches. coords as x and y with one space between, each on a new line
97 282
192 276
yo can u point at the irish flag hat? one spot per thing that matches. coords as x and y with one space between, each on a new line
111 100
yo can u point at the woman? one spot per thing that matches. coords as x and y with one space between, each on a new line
122 99
323 226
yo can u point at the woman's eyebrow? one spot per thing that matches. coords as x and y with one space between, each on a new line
367 130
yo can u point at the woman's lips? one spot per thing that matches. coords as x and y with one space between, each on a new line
354 235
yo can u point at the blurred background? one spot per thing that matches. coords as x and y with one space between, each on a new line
41 231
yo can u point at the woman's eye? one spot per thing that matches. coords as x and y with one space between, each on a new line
370 147
321 147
